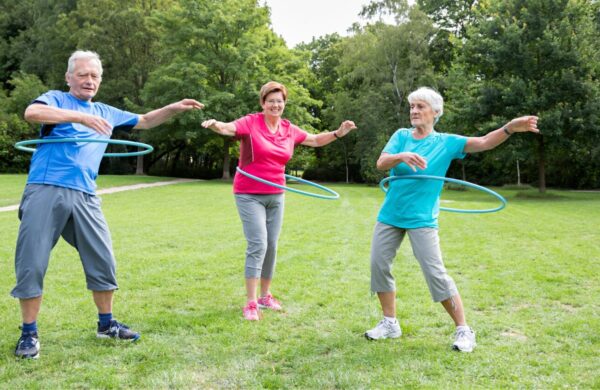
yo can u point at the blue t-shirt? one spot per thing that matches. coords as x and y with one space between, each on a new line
412 204
73 164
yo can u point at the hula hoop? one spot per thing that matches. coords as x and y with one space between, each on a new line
147 148
450 180
334 195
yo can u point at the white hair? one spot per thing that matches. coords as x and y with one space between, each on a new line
83 55
431 97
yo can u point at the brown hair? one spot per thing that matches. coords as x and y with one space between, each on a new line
270 87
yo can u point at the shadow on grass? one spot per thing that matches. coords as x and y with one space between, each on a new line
536 195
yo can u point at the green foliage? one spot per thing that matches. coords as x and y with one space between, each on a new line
491 60
13 127
537 57
230 52
379 66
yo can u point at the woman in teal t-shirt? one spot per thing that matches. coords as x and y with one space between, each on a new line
412 206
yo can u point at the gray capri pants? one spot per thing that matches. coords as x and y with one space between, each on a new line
425 244
262 217
48 212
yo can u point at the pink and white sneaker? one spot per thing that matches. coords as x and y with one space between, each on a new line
268 302
251 311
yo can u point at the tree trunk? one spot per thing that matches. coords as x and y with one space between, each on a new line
518 174
346 162
175 161
463 171
226 159
541 165
139 169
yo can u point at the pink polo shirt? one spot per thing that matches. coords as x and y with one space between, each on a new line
263 153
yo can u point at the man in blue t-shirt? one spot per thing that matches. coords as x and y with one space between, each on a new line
412 207
59 198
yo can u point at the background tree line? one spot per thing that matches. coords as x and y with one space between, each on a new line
491 60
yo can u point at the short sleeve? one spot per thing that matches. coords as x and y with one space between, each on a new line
243 126
50 98
298 134
456 145
396 142
124 119
121 120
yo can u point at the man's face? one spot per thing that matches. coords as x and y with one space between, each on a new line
85 79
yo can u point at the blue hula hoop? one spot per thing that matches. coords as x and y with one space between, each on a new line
22 145
450 180
334 195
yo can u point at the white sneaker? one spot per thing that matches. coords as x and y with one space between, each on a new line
464 339
384 330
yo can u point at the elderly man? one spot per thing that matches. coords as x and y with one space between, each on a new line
59 198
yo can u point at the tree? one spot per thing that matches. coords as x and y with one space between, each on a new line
538 57
230 51
380 65
13 127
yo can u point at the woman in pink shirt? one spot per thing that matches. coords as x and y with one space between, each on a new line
267 143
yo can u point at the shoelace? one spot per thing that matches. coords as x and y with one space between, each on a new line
462 334
27 341
117 325
270 301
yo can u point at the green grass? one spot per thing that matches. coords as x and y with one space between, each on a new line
11 186
529 277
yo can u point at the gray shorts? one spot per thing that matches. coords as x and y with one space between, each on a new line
425 244
48 212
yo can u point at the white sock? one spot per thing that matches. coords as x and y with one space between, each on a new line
463 327
391 320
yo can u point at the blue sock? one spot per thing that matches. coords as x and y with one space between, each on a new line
104 318
28 328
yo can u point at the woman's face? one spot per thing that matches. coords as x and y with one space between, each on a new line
421 113
274 104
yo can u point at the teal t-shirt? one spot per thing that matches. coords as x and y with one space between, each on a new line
411 204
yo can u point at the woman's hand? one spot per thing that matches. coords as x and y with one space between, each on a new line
220 127
345 128
523 124
210 124
413 160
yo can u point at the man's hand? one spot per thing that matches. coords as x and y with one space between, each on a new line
186 104
100 125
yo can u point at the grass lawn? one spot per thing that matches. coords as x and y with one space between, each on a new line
11 186
529 276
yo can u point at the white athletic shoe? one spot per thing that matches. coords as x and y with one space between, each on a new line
464 339
384 330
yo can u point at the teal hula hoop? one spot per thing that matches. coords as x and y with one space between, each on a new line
22 145
334 195
450 180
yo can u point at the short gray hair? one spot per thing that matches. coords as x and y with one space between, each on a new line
83 55
431 97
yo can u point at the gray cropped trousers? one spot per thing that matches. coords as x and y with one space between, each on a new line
425 244
262 217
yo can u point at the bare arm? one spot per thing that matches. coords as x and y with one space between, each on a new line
496 137
322 139
44 114
222 128
161 115
388 161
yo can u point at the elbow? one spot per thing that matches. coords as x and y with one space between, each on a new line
29 114
142 123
